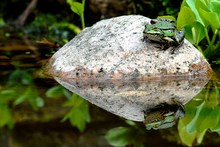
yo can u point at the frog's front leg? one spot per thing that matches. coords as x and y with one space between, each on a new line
174 48
167 43
164 46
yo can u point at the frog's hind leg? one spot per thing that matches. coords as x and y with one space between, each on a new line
156 44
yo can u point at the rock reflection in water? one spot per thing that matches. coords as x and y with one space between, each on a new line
155 102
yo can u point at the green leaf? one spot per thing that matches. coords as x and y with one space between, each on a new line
214 6
185 17
76 7
6 116
189 34
20 76
194 32
206 115
79 113
6 95
120 136
131 123
39 102
194 124
192 6
74 28
216 128
217 61
79 118
203 4
55 92
30 95
208 121
36 102
198 32
2 22
26 94
200 136
68 94
211 17
186 137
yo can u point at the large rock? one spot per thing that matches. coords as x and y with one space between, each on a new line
115 49
111 65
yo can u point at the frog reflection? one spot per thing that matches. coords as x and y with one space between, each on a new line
163 116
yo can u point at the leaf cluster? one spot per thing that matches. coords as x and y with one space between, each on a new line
19 89
201 20
78 8
79 114
202 115
60 31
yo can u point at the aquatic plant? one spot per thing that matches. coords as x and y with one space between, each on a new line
201 20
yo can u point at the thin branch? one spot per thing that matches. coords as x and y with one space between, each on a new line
24 15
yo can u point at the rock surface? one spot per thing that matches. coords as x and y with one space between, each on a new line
116 49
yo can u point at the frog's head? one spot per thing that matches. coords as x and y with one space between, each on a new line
163 24
153 33
153 21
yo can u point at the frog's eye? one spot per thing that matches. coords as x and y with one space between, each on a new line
169 20
153 21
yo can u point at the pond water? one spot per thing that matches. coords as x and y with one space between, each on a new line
36 111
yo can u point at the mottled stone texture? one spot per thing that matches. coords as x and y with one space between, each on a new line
131 99
116 49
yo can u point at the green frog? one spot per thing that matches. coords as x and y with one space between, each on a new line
164 32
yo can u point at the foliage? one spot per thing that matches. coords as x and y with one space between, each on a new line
60 30
124 136
79 113
56 91
2 22
78 8
19 89
201 20
6 116
21 85
169 7
202 114
152 9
